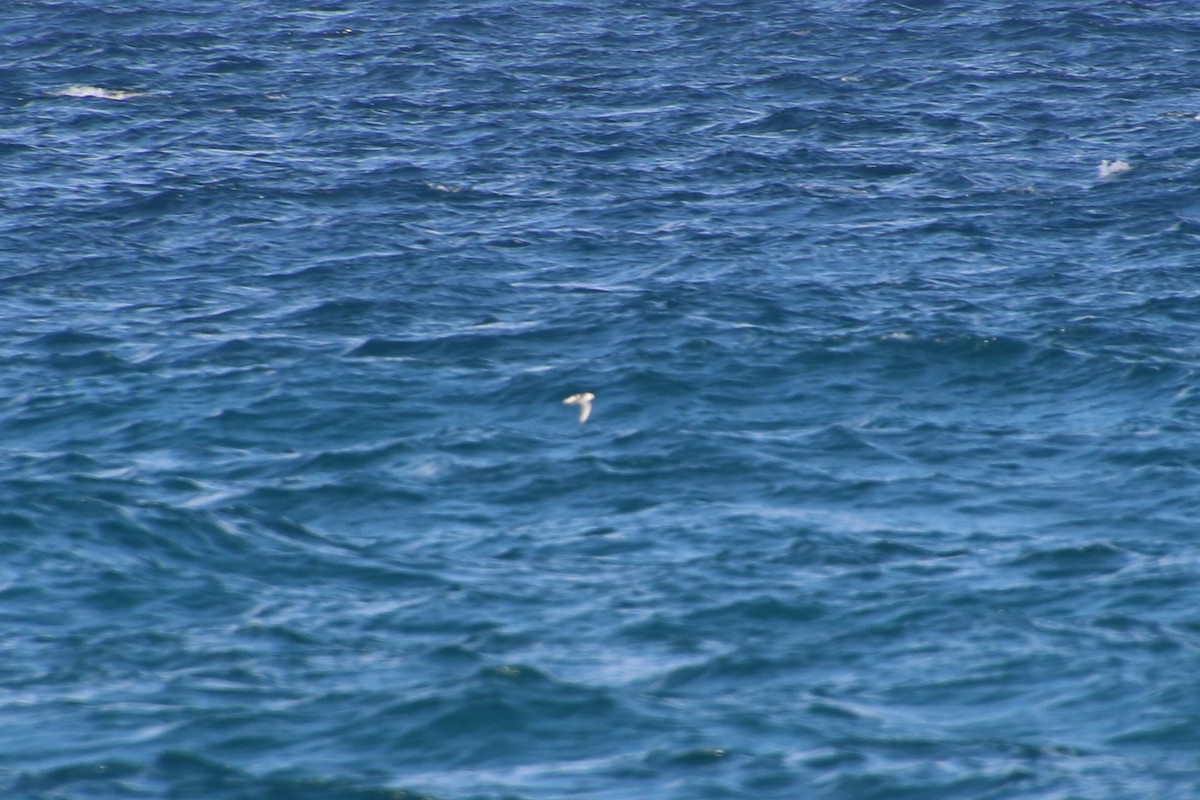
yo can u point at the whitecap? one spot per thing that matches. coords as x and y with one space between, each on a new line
96 91
1109 168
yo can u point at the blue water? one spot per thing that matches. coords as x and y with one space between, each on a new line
891 488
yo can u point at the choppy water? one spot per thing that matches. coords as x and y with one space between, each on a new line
890 488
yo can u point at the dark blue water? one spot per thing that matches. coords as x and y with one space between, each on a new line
891 488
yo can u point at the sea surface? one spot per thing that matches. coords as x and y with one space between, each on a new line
891 485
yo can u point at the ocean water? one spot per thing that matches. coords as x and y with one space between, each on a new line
891 488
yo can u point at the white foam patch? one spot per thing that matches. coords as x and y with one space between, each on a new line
96 91
1110 168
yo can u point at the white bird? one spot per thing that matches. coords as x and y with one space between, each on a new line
584 401
1108 168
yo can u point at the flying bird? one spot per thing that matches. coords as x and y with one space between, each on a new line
584 401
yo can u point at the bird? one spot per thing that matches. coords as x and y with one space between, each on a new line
1108 168
584 401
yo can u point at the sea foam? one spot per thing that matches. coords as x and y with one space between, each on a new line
98 92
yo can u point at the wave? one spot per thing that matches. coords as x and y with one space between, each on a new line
98 92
